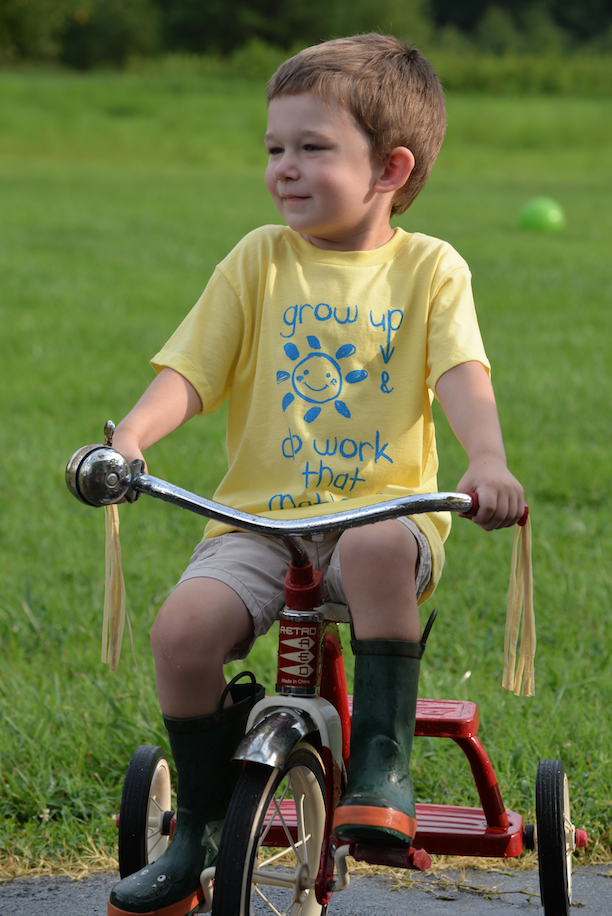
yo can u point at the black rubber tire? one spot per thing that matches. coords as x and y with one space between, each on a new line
242 838
146 793
554 838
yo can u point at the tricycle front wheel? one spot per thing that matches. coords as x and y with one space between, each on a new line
283 805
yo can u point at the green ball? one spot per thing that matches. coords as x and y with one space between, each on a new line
541 214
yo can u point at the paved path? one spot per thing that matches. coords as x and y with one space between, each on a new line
475 893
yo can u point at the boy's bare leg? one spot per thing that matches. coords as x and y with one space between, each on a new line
196 627
198 624
378 564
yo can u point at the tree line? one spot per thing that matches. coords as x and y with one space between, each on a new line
89 33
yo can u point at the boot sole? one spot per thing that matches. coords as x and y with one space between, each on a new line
181 908
361 822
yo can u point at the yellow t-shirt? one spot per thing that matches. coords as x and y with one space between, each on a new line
330 361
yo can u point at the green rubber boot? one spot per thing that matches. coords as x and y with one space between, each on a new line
202 748
378 807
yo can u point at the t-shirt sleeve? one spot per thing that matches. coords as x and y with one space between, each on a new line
205 347
453 335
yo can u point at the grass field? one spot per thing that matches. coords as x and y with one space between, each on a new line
118 196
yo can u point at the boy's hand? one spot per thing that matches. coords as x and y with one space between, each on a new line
126 446
501 501
467 399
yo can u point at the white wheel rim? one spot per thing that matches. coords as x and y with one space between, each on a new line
303 786
159 802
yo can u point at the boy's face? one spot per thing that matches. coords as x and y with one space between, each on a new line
322 174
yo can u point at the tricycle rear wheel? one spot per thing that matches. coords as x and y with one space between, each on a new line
145 804
555 837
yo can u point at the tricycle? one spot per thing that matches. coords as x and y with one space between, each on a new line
278 852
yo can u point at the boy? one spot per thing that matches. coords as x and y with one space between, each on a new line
330 336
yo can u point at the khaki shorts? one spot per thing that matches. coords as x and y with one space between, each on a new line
255 568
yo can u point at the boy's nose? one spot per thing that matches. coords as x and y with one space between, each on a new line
285 169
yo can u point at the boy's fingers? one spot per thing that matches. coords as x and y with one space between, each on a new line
506 514
493 510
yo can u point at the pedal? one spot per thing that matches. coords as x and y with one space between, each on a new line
393 856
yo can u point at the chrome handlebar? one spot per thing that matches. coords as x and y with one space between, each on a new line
99 475
322 524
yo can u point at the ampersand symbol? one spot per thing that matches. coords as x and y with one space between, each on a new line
385 382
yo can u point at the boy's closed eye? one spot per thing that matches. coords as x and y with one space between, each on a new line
308 147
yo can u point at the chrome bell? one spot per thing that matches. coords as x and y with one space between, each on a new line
98 475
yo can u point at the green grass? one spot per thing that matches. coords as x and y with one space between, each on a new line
118 196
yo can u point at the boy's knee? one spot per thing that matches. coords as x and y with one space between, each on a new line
176 632
201 617
383 544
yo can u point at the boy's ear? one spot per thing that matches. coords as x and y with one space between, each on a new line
395 170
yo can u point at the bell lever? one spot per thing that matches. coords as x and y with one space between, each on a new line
109 430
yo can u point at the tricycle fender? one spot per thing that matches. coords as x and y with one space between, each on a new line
277 724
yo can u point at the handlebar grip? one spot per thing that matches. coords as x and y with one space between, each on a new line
137 467
521 522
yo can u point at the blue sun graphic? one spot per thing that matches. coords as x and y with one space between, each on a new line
317 378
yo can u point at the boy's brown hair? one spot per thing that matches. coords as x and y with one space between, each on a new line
392 91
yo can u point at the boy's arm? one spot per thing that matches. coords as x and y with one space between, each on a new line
169 401
466 395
